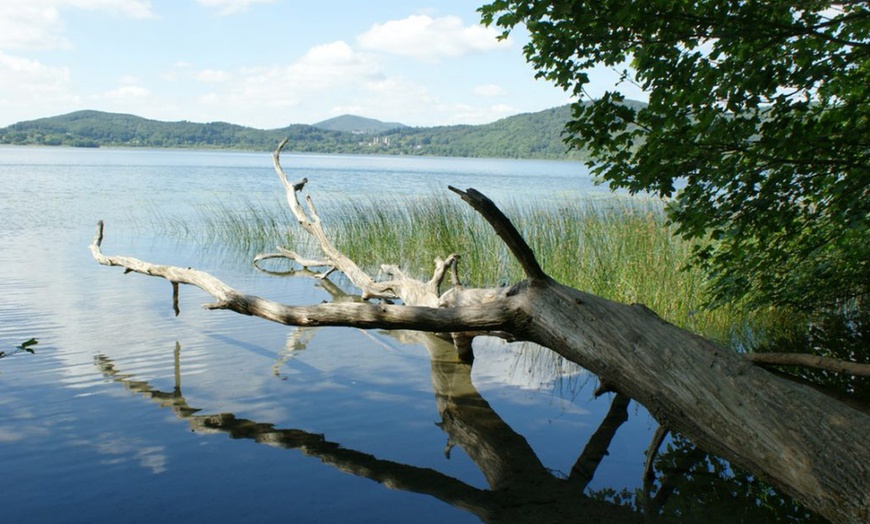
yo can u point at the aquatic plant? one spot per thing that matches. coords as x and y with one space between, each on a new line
619 248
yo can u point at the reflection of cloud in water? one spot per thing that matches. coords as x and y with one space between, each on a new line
19 433
525 366
122 449
19 423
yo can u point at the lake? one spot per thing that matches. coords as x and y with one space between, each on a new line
127 413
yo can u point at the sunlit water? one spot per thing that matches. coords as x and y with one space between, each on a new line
108 421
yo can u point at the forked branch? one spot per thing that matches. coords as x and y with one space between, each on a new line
483 317
310 222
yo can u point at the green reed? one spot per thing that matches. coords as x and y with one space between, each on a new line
247 228
619 248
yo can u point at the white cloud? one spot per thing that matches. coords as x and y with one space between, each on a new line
337 77
262 96
333 65
29 87
322 68
23 76
128 80
429 39
37 24
128 92
130 8
490 91
30 27
212 76
389 99
230 7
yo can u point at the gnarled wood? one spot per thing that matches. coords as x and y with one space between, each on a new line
805 443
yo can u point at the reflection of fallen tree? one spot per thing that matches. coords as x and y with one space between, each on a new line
521 488
699 487
805 443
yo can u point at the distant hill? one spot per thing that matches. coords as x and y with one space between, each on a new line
94 128
528 135
357 124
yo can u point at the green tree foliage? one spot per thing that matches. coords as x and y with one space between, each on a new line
758 127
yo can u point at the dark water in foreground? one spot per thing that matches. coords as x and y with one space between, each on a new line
129 414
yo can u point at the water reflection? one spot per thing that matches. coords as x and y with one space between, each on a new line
690 485
521 489
699 487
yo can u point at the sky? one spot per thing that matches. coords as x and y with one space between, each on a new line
267 63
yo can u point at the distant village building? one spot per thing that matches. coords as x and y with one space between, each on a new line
380 141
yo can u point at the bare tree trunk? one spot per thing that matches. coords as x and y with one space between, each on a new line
803 442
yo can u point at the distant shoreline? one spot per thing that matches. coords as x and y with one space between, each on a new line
524 136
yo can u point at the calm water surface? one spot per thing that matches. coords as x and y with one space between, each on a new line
129 414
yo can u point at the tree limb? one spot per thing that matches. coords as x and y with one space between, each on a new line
810 361
505 229
493 316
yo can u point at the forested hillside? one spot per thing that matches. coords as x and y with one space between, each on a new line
357 124
530 135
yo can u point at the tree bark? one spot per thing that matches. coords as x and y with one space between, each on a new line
803 442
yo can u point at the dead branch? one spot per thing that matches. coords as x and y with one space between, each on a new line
810 361
310 222
484 317
505 229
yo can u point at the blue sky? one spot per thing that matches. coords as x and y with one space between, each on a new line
266 63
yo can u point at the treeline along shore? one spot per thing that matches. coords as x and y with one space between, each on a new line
529 135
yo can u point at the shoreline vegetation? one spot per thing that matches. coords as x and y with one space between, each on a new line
619 248
528 136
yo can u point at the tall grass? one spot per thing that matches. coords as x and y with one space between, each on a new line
245 229
621 249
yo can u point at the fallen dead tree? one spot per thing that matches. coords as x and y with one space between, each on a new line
803 442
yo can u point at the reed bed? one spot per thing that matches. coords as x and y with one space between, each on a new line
619 248
245 229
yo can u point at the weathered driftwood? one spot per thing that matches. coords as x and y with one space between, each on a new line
807 444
